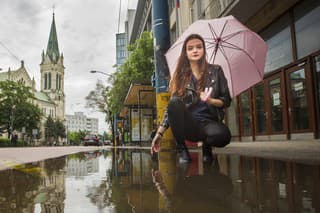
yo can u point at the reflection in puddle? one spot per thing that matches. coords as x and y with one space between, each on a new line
129 181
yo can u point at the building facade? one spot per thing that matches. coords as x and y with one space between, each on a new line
285 105
51 98
121 48
52 73
80 122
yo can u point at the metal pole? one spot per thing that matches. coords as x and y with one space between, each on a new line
115 129
139 107
160 22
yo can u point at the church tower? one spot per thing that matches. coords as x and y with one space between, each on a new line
52 73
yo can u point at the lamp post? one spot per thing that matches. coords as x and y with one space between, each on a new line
114 115
104 73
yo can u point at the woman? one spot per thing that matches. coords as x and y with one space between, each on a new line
199 94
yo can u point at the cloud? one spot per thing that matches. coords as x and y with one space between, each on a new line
86 34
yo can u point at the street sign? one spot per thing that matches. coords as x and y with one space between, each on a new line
34 131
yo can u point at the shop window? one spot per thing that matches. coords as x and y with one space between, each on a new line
278 38
307 27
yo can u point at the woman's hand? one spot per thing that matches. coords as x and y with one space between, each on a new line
156 142
205 94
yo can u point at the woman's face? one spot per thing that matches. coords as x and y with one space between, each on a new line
195 50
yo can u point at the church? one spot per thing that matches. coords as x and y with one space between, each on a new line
51 98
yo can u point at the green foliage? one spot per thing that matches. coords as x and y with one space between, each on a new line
28 116
5 142
75 138
16 107
60 129
49 128
54 129
138 68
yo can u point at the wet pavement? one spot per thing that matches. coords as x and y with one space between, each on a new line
128 180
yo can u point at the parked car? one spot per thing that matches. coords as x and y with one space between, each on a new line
107 143
91 140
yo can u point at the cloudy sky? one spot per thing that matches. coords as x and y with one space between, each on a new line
86 34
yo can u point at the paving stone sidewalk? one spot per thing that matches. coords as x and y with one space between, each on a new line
298 151
10 157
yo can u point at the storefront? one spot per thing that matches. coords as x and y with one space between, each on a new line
285 106
140 112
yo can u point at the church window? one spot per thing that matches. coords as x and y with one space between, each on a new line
49 81
45 81
57 81
60 80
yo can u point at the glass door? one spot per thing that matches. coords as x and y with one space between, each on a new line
260 113
299 109
245 114
316 68
276 117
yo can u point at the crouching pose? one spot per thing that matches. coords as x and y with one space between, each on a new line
199 94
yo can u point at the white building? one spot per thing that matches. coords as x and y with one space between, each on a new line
79 121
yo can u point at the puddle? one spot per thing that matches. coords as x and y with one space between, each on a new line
127 180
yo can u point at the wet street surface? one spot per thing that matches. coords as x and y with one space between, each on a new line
129 180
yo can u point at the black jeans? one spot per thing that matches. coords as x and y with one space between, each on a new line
184 127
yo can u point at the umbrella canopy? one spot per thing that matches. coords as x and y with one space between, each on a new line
239 51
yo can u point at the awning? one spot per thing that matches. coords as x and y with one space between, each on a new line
140 94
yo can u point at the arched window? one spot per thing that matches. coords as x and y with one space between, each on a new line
45 81
49 81
57 81
60 82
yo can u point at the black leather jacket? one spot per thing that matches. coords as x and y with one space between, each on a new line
220 90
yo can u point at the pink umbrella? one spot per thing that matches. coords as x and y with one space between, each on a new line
239 51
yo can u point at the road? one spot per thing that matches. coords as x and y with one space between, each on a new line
10 157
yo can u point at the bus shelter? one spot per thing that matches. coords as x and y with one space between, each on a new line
139 113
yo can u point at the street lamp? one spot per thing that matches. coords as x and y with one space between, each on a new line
104 73
114 115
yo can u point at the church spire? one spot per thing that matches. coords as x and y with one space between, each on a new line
53 48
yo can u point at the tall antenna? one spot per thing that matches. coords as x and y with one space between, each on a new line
119 16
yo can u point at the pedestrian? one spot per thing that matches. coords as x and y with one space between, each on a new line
199 95
14 138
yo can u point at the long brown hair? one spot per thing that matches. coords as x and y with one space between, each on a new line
183 73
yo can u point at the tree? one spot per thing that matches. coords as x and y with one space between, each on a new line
28 116
76 138
60 129
54 130
16 108
98 99
49 129
138 68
